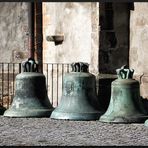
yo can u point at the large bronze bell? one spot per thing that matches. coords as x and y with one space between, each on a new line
78 101
30 98
125 104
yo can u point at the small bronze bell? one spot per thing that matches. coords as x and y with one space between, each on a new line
30 98
79 100
125 104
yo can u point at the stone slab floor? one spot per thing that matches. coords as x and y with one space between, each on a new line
49 132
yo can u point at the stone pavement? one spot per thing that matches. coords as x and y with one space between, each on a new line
50 132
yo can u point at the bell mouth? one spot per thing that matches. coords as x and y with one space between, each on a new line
125 119
76 116
21 113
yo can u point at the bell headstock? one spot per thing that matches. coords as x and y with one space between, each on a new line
124 72
79 67
30 65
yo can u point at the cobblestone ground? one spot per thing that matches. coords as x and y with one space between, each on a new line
49 132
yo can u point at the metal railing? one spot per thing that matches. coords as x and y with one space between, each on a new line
53 72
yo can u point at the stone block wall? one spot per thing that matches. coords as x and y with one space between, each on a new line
15 32
14 46
138 58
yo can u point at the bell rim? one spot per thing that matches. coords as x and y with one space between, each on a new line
76 116
22 113
128 119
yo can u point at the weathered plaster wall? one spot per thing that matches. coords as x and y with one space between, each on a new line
14 31
139 45
78 22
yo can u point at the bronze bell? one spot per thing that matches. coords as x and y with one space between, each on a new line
79 100
125 104
30 98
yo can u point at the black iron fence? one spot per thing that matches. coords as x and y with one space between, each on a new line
53 72
54 80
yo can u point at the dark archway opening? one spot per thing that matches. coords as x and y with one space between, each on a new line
114 36
114 21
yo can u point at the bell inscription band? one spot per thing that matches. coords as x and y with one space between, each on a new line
125 104
30 98
78 101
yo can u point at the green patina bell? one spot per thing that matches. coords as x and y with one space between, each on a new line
146 123
30 98
125 104
79 100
